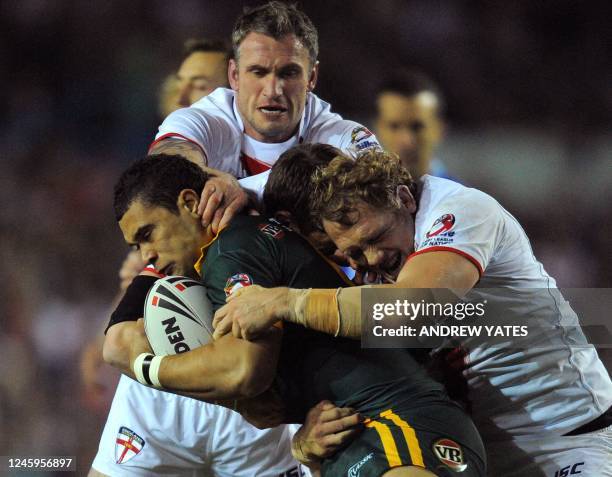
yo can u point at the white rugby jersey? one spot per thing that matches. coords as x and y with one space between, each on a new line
553 380
215 125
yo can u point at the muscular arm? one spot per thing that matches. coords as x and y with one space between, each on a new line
228 368
189 150
225 369
319 310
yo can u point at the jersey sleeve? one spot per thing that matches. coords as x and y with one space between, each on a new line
189 124
198 126
256 185
469 224
231 270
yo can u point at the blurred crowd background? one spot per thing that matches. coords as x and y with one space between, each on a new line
529 101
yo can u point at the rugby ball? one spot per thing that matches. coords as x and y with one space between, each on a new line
178 315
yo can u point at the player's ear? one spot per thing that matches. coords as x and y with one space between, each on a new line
232 74
314 76
406 198
188 201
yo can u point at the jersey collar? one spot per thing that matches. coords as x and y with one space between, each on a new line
204 250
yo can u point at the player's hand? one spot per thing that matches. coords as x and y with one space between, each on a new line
140 343
222 198
250 311
327 428
131 266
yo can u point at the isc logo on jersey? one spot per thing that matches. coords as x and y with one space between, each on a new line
178 315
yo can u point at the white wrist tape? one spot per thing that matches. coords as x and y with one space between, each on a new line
154 371
146 369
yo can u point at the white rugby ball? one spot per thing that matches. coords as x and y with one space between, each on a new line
178 315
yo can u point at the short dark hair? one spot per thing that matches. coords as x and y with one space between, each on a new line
410 82
277 19
289 185
156 180
205 45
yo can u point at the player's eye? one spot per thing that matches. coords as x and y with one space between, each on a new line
289 73
416 126
201 84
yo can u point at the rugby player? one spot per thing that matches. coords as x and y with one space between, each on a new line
242 131
408 413
174 434
542 404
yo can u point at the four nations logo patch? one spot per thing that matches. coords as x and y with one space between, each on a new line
443 224
450 454
236 282
128 444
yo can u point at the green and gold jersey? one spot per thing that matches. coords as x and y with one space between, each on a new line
312 366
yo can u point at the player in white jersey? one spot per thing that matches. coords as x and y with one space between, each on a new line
542 404
269 109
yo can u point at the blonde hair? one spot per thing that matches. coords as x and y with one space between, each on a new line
373 177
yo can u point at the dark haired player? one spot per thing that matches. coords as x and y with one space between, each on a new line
408 413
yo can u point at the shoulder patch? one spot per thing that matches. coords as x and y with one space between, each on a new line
441 232
236 282
362 139
441 225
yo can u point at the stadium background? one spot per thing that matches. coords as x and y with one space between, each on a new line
529 101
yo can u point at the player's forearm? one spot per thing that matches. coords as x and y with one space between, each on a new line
188 150
117 345
338 311
332 311
224 369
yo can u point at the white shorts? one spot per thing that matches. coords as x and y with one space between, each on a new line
150 432
585 455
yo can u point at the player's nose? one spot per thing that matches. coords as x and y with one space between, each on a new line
272 86
373 257
406 139
184 98
149 255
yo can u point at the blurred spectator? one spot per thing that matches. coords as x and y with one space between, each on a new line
409 120
202 70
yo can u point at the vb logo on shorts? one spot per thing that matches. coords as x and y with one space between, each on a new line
128 444
450 454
